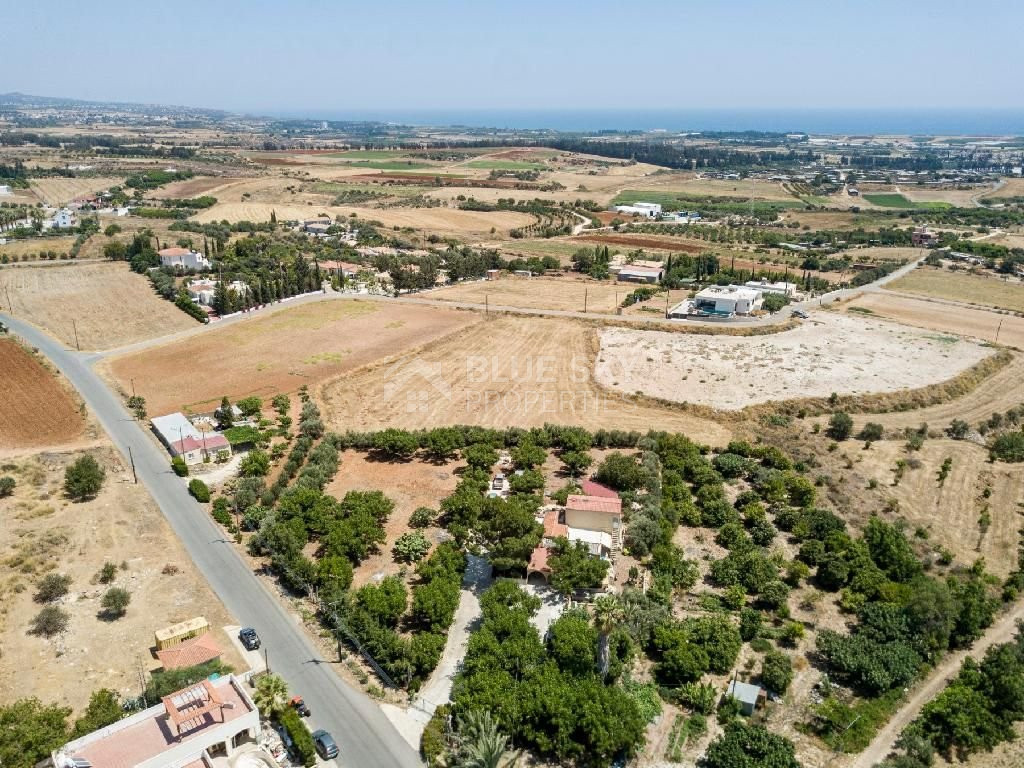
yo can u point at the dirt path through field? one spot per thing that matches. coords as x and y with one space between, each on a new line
1000 632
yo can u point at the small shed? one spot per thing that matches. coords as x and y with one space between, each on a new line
749 696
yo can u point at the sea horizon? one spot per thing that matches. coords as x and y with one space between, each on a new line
918 122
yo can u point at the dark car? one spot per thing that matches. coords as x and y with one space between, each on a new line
249 638
800 313
325 746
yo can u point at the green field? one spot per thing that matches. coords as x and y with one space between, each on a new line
389 190
389 165
892 200
368 154
505 165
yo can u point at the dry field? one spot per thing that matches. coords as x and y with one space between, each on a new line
33 245
506 371
962 287
695 187
1011 188
196 187
537 293
830 353
58 191
876 255
270 353
41 532
410 485
36 409
980 323
444 220
950 512
109 304
961 198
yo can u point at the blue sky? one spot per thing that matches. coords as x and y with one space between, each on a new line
420 55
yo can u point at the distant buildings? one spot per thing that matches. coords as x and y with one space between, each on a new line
922 237
783 289
649 210
726 300
632 273
183 258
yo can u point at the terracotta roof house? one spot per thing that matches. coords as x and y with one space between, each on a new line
197 650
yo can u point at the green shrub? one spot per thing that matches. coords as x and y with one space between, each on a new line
53 587
300 735
432 742
6 486
423 517
179 466
1008 446
199 490
83 479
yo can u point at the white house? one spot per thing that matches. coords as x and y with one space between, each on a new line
727 300
182 438
64 219
195 726
784 289
650 210
201 291
183 258
5 189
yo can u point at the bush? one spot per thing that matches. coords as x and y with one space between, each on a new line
107 573
6 486
115 602
199 490
776 672
300 736
49 621
83 479
53 587
1008 446
432 742
870 432
179 466
839 426
255 464
411 547
621 472
423 517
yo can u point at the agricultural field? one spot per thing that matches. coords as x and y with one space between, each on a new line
950 511
897 200
688 196
58 191
410 485
829 353
36 408
983 290
265 354
506 371
41 532
937 316
505 165
537 293
32 246
108 303
194 187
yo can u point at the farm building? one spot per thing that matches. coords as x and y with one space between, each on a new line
182 438
183 258
781 288
853 192
922 237
342 269
493 274
195 650
63 219
631 273
727 300
209 719
650 210
594 520
749 696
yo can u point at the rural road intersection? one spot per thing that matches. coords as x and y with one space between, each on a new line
365 737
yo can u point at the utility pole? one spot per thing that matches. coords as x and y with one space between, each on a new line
487 305
131 458
999 328
667 294
266 659
133 387
586 291
10 306
75 327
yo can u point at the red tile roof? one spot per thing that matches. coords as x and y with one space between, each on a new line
594 504
553 528
214 441
539 561
593 488
193 651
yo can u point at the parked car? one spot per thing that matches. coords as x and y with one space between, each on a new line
249 638
300 706
325 746
800 313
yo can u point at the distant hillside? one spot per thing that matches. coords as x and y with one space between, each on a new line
17 100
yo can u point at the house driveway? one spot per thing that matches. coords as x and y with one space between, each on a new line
438 689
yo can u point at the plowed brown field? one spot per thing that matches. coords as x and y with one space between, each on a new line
265 355
507 371
35 409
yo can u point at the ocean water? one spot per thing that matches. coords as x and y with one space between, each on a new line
955 122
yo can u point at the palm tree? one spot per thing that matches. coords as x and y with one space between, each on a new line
607 615
481 744
270 695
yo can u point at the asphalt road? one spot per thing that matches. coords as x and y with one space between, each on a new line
365 737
